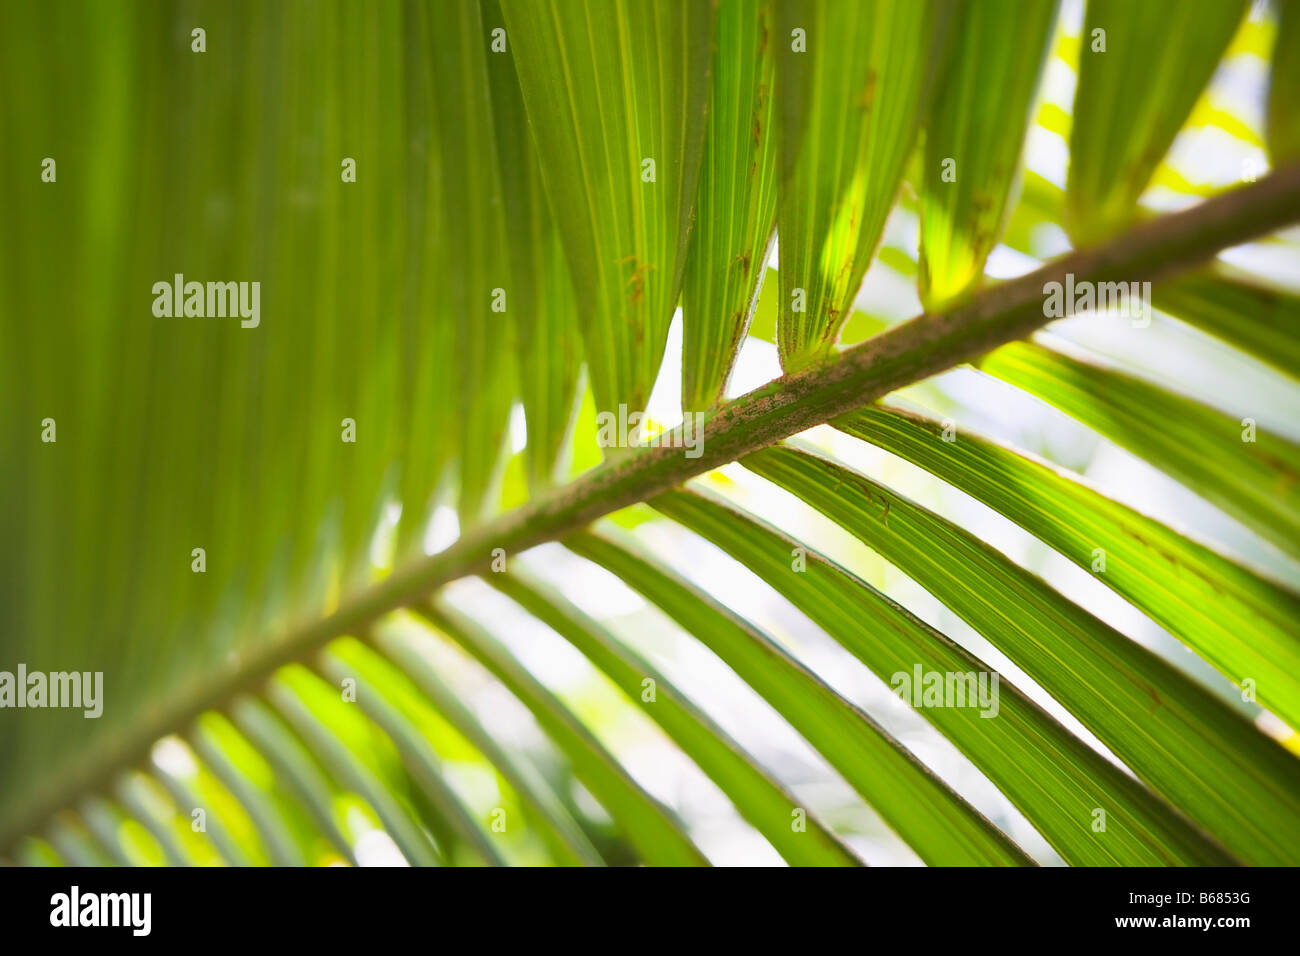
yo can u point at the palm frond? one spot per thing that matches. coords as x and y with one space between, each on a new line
370 578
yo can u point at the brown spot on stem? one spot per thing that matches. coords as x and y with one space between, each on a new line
868 95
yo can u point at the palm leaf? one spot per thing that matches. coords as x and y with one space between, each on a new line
757 797
1150 716
736 212
619 128
937 823
539 294
852 77
998 51
1235 618
264 531
1134 93
1254 475
1046 772
649 824
1283 127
